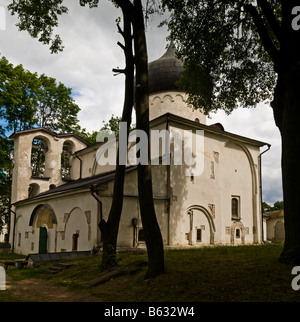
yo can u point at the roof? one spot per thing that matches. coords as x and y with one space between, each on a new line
52 133
78 184
275 214
216 129
165 72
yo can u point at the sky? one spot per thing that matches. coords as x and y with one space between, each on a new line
91 52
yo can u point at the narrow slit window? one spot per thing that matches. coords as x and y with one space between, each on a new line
234 208
199 235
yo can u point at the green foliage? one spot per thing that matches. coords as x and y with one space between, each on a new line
278 205
18 101
227 65
91 3
5 178
28 100
112 125
39 18
57 110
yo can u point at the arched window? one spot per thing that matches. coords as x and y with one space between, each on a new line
33 190
235 208
65 161
38 157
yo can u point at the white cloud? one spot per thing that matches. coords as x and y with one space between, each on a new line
90 38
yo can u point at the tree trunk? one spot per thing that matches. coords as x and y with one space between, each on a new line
287 115
291 172
110 228
151 228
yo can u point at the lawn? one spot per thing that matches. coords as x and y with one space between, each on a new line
226 274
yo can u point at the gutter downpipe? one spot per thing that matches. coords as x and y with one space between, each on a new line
168 187
260 188
92 189
14 230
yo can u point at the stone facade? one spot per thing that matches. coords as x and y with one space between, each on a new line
220 205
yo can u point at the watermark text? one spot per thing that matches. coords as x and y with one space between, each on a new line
296 20
2 279
185 146
296 280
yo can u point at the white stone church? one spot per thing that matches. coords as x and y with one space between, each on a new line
54 209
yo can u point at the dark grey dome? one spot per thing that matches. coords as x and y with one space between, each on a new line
165 72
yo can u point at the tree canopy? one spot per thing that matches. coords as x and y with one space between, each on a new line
278 205
40 21
240 53
28 100
226 62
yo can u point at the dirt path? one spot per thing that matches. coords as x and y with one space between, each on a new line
37 290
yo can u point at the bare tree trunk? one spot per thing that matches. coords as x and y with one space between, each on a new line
151 228
290 171
110 228
286 106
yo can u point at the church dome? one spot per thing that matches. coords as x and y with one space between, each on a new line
165 72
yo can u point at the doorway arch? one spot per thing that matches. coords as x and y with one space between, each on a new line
212 228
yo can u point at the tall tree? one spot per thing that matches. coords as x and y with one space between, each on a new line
39 22
18 102
239 53
57 110
28 100
110 228
152 231
5 178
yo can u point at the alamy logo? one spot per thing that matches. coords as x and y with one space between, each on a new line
295 281
2 279
188 148
296 20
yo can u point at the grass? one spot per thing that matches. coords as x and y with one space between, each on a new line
226 274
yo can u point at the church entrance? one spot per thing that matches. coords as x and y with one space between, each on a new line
43 240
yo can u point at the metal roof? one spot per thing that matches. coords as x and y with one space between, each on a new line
165 72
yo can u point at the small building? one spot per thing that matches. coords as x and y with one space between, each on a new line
275 226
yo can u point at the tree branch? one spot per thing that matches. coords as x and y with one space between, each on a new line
121 45
119 71
120 30
269 14
263 33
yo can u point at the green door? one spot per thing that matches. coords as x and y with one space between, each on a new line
43 240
